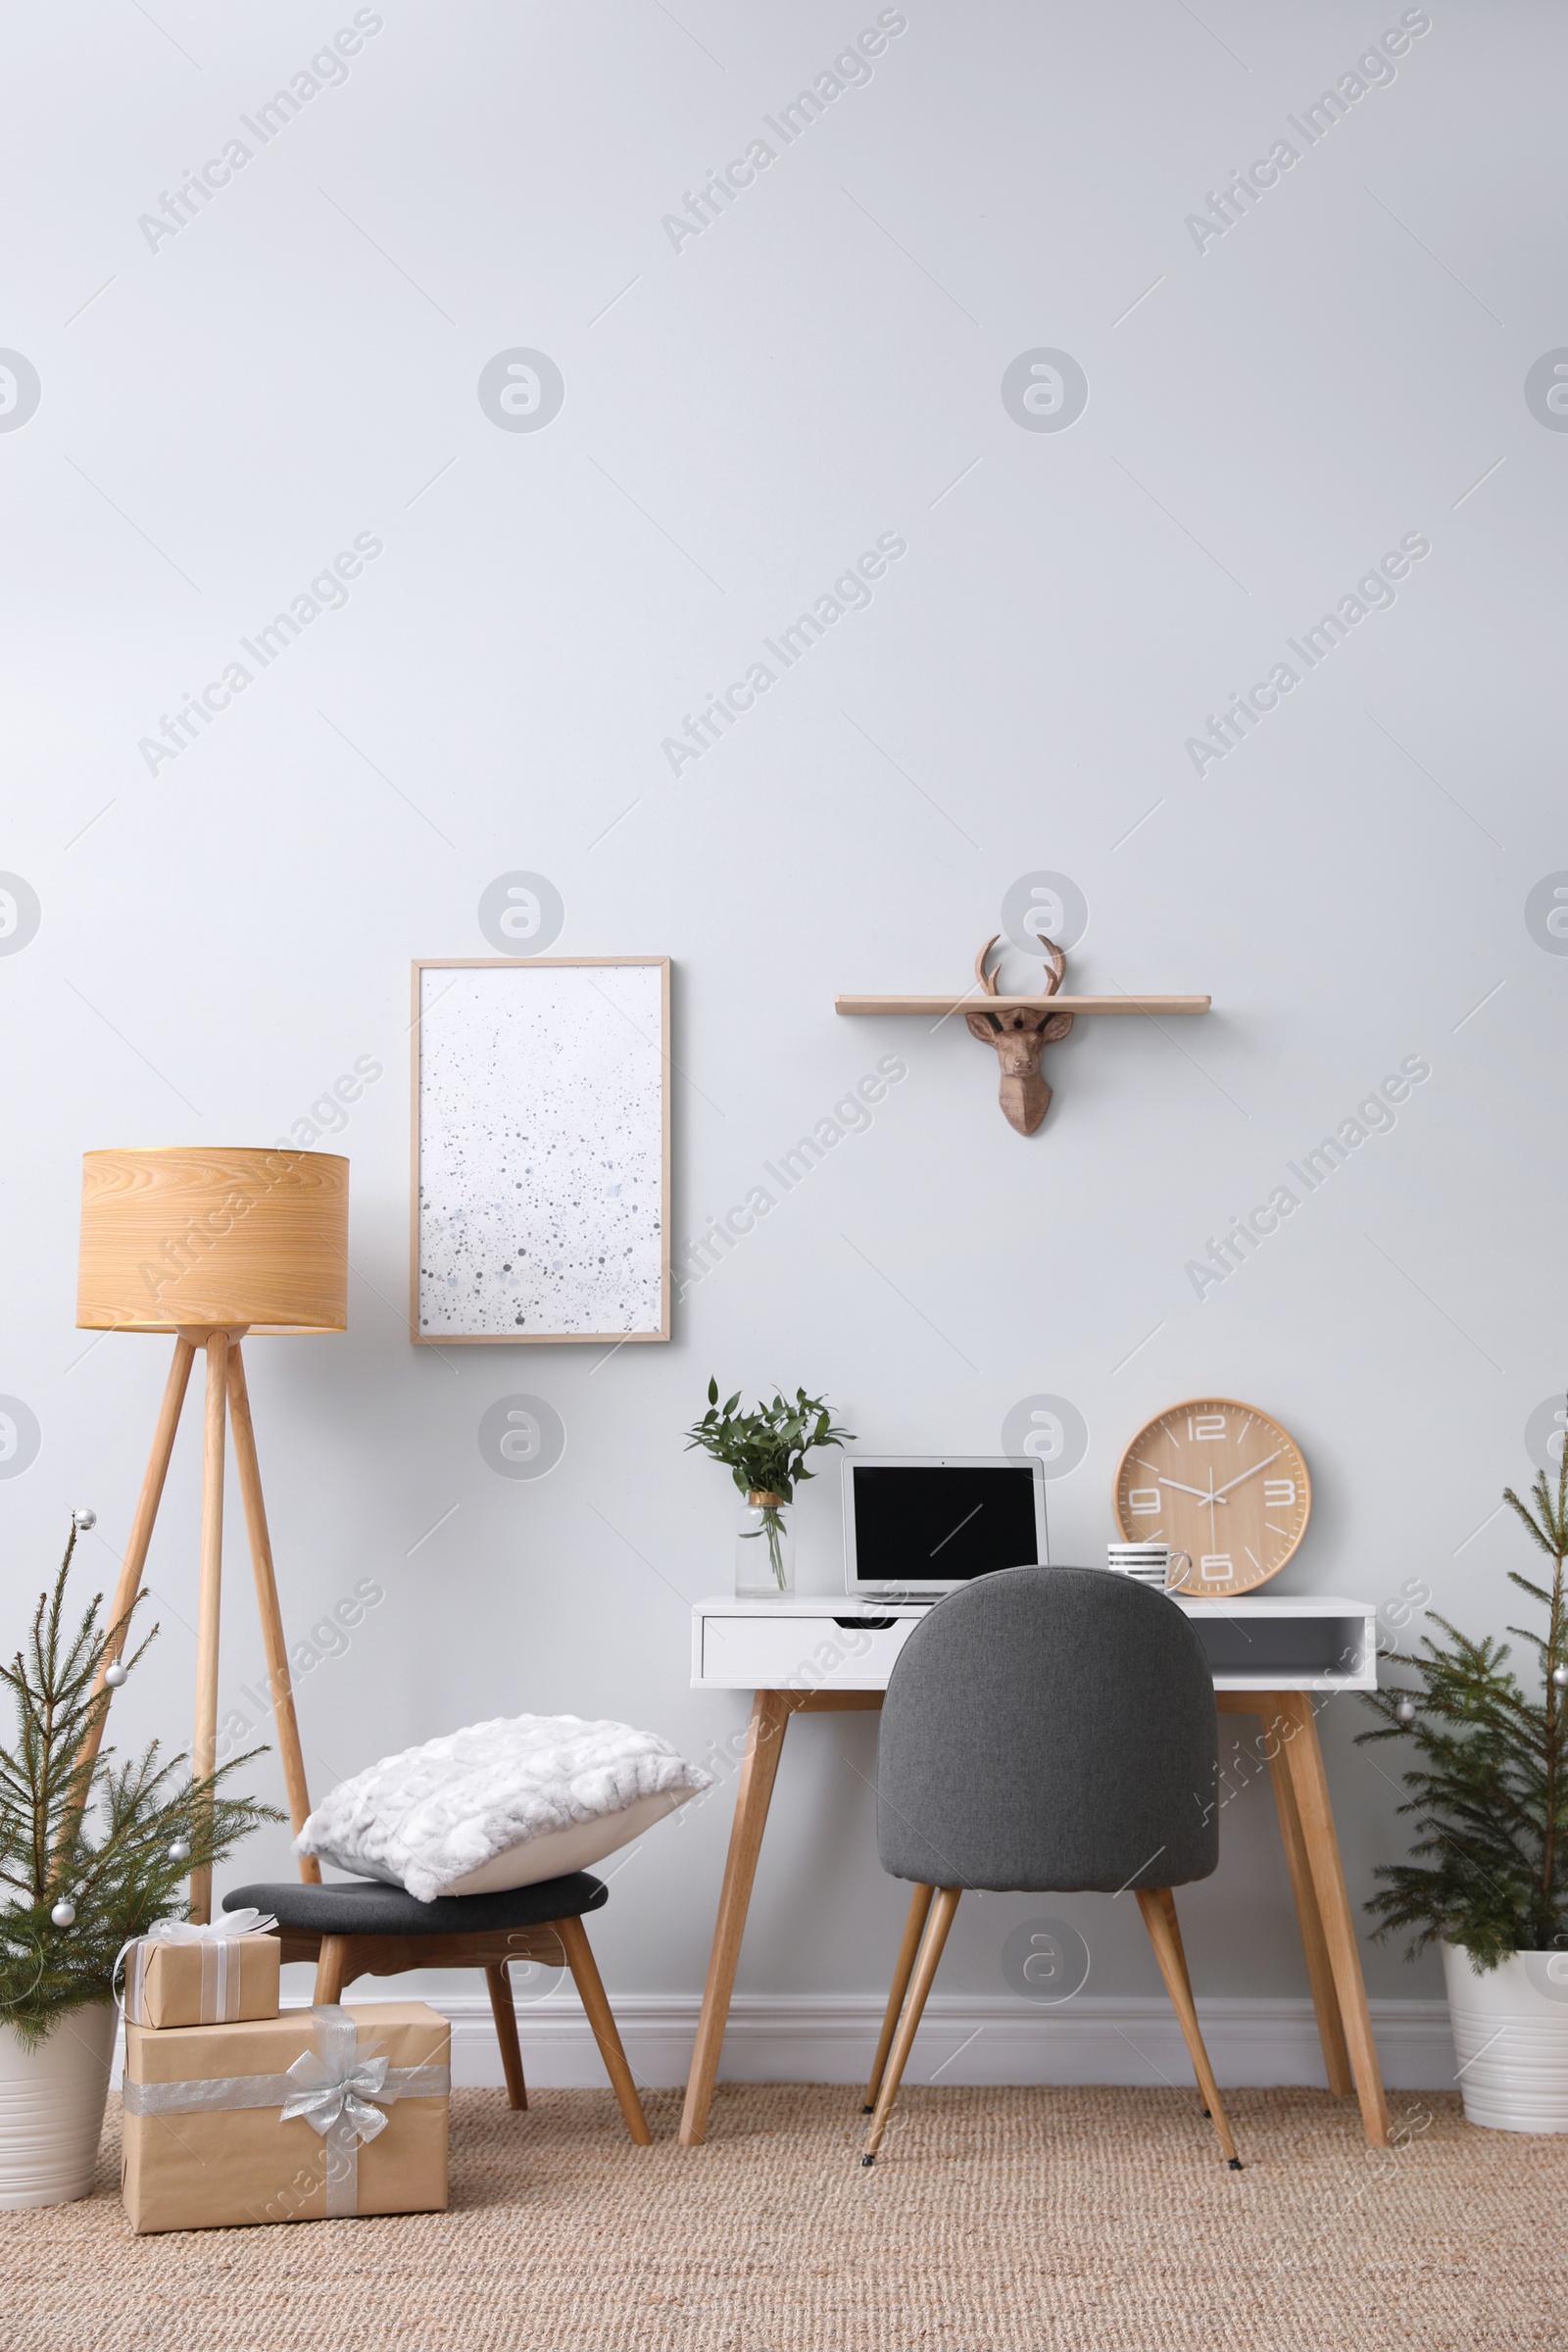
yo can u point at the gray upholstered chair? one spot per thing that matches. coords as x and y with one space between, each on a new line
358 1926
1047 1730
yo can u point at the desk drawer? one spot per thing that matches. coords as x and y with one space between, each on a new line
799 1653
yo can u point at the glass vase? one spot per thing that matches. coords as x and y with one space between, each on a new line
764 1545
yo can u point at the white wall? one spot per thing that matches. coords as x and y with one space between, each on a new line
222 938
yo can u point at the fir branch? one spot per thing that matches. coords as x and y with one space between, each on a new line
1489 1789
98 1833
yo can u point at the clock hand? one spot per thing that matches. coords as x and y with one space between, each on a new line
1262 1465
1197 1490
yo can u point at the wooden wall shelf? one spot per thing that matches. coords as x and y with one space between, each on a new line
1019 1026
973 1003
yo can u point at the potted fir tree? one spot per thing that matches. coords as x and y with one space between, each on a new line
90 1855
1489 1794
765 1453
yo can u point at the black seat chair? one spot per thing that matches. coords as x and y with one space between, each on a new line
1048 1730
359 1926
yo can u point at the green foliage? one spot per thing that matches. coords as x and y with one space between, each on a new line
1490 1792
765 1450
96 1833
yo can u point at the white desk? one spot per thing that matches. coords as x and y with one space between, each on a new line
1269 1654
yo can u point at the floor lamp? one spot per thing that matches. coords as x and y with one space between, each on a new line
210 1245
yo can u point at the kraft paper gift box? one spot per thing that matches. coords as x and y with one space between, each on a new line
179 1974
310 2116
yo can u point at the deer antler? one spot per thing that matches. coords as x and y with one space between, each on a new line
1056 966
987 980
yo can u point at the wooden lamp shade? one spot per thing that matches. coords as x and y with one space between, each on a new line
203 1237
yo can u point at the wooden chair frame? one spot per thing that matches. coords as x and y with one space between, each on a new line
932 1911
555 1943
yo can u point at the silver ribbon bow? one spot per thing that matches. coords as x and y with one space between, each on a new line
338 2088
222 1929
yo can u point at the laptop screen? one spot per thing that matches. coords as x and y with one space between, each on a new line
935 1524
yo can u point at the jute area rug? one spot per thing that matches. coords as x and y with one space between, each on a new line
995 2221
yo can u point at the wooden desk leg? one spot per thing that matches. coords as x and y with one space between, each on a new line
765 1744
1319 1969
1321 1972
1302 1759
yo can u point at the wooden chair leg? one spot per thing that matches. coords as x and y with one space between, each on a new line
943 1911
591 1992
913 1929
333 1971
1158 1908
506 2015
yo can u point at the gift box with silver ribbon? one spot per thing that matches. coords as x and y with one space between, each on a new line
315 2114
183 1972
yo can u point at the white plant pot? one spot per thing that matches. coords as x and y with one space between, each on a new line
51 2108
1510 2037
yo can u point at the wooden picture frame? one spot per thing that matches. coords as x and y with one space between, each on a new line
598 1077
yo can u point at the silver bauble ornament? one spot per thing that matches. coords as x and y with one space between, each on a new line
1404 1712
84 1520
63 1913
180 1851
1559 1675
115 1675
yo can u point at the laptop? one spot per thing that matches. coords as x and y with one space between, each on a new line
916 1528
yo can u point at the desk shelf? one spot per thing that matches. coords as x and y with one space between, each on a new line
828 1641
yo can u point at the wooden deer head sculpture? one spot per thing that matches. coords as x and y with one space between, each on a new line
1017 1033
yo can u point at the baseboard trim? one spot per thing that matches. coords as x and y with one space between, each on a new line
830 2038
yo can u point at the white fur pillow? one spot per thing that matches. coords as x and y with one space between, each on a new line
500 1804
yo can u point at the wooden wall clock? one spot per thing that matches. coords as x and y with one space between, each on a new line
1220 1481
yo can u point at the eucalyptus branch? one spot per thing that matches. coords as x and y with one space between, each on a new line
765 1451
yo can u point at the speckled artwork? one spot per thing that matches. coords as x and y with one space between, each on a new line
540 1110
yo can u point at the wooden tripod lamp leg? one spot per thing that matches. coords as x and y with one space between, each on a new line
204 1746
277 1676
147 1502
141 1536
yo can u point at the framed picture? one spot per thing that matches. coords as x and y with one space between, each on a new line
541 1149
